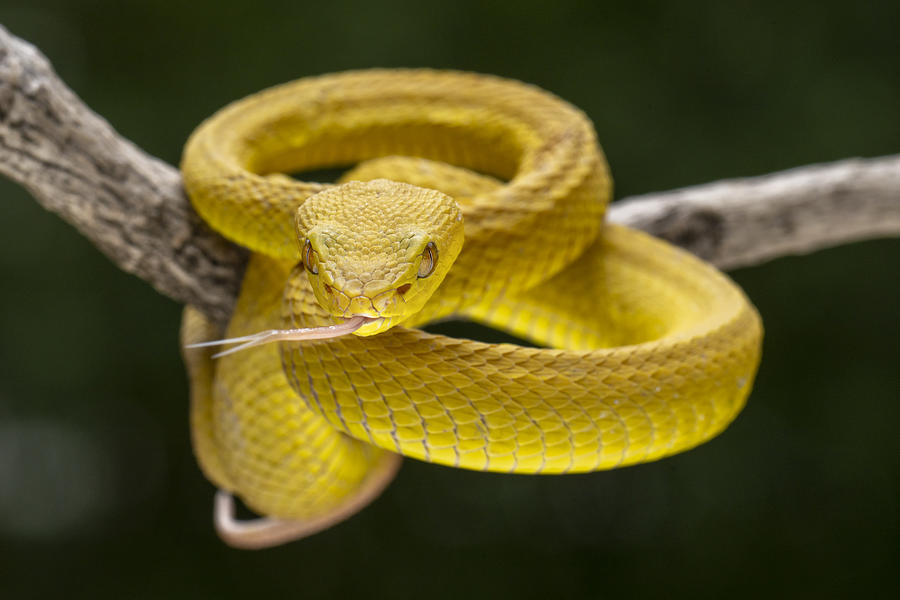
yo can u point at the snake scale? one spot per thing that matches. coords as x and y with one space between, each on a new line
474 197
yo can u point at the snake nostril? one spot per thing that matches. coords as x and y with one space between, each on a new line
404 288
328 289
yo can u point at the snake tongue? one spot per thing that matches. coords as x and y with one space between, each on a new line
280 335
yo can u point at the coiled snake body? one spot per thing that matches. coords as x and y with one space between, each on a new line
647 351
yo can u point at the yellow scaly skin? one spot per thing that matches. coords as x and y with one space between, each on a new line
651 351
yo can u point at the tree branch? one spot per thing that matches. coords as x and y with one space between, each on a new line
132 206
741 222
128 203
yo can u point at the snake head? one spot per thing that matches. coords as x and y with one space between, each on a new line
378 249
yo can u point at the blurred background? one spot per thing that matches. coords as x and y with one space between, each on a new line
100 496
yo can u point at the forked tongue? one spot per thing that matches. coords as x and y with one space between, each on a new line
279 335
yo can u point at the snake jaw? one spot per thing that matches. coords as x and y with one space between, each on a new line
384 309
375 325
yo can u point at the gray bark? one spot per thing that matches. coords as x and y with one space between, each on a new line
740 222
128 203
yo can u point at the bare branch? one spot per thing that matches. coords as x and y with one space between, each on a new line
129 204
132 206
740 222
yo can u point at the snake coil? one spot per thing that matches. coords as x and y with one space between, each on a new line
645 350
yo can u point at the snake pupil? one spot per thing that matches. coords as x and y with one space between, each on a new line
310 258
429 260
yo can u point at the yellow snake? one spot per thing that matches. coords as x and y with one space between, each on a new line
645 350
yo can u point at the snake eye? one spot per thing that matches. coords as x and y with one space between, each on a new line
310 258
429 260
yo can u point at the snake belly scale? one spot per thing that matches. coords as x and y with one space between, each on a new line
645 351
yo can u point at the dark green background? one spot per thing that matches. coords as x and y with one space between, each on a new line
100 496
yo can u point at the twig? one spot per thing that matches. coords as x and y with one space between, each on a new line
132 206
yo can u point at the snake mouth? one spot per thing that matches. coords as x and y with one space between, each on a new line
371 324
